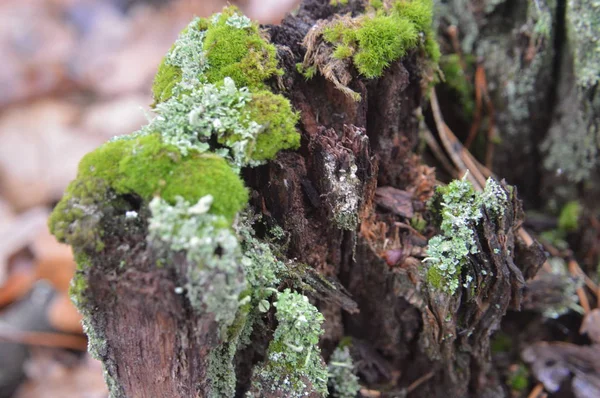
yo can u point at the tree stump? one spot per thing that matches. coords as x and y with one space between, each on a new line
337 221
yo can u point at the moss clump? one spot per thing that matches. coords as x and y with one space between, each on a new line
217 71
568 221
343 51
518 379
76 217
460 207
207 51
79 283
383 35
143 166
165 81
274 113
234 48
381 40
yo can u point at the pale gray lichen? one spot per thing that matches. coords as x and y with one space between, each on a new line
263 272
460 209
293 356
573 141
221 368
190 120
569 300
188 54
239 21
215 274
583 18
342 378
263 269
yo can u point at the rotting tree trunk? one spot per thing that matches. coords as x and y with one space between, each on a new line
365 275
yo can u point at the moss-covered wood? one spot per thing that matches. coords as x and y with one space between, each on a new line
246 276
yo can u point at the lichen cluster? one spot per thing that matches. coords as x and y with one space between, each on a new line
343 381
214 114
576 154
213 81
387 31
460 208
294 363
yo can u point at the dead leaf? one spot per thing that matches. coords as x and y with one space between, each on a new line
554 363
591 325
395 200
50 377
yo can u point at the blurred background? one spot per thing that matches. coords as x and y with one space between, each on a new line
74 74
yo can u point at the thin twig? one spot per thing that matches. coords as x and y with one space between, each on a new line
453 33
446 142
45 339
536 391
439 153
415 384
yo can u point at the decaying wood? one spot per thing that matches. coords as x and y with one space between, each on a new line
407 337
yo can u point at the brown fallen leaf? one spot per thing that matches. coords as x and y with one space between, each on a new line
591 325
53 260
395 200
53 376
555 363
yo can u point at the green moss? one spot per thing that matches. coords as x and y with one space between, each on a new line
501 343
143 166
454 77
308 72
274 113
568 220
238 51
147 167
167 77
338 2
207 51
75 219
518 379
376 4
79 283
381 40
432 49
343 51
383 35
420 13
